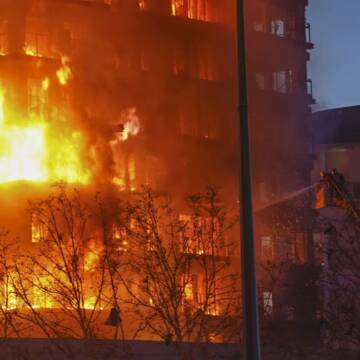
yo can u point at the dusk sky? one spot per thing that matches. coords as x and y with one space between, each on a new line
334 65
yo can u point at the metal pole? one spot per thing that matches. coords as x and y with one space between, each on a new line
248 268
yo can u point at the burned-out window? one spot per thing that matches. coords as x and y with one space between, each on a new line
178 60
197 121
73 34
193 9
4 37
155 172
37 39
38 229
125 170
202 64
37 96
201 293
201 235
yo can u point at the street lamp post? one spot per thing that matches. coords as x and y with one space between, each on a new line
248 269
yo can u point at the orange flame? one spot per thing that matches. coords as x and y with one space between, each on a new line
64 74
130 122
31 149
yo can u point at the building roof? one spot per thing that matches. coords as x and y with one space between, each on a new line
336 126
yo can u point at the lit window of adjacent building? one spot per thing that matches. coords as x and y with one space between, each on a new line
268 303
267 248
155 172
283 81
278 27
282 22
3 37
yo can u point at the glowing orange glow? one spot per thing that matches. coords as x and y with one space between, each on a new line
45 84
64 74
92 255
10 300
39 298
30 50
188 291
90 303
30 149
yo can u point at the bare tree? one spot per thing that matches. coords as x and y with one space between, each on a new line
340 279
65 282
181 283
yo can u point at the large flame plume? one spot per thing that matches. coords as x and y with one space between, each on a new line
33 149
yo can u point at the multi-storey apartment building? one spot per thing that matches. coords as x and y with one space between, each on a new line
139 92
279 44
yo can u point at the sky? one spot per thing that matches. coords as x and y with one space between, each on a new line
335 61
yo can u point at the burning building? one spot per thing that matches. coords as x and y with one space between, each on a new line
125 93
111 95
